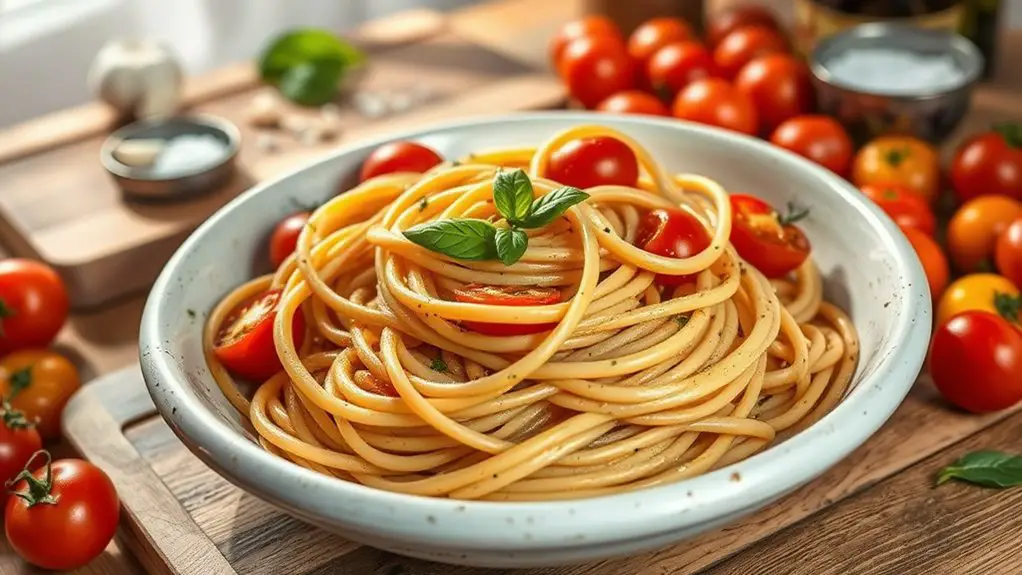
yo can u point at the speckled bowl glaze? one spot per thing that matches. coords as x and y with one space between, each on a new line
870 270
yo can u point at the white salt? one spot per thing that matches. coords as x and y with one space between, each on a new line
187 154
893 71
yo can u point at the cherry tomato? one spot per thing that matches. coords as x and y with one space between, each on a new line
399 157
673 234
285 237
677 65
743 45
819 138
976 362
766 239
33 304
933 260
514 296
633 102
984 292
245 342
584 27
595 68
1008 251
69 500
903 205
716 102
596 161
654 34
19 440
973 230
730 20
899 160
989 163
38 382
779 87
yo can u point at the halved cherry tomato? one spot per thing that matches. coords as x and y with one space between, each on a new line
985 292
766 239
677 65
596 161
899 160
730 20
285 237
932 258
633 102
654 34
39 382
245 344
399 157
594 25
33 304
716 102
989 163
903 205
515 296
976 362
973 231
595 68
743 45
1008 251
779 87
673 234
819 138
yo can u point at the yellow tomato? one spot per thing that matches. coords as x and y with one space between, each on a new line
901 160
973 230
39 382
974 292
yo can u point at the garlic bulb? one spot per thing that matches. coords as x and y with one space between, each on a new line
137 77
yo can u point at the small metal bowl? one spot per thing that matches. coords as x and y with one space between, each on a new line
930 114
142 183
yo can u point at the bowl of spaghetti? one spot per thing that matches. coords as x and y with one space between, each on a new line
574 337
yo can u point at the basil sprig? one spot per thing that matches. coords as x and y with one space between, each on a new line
986 468
474 239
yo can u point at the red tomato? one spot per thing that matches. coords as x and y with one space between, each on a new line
245 344
654 34
285 237
633 102
514 296
673 234
584 27
730 20
716 102
819 138
932 258
597 161
779 87
70 501
19 440
990 163
904 206
976 362
745 44
33 304
1008 252
595 68
399 157
677 65
766 239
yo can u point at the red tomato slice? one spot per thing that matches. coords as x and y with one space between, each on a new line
514 296
245 344
766 239
673 234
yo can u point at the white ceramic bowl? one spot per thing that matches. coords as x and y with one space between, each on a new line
870 270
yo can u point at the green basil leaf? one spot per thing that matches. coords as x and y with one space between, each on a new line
550 207
312 83
302 46
511 244
460 238
512 194
986 468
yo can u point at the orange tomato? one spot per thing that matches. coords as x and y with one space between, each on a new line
39 382
983 292
899 160
973 230
933 260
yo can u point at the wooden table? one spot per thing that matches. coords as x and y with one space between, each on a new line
892 521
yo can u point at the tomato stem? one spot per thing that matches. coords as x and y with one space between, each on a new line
793 214
1008 306
20 380
896 156
5 312
13 418
39 491
1011 132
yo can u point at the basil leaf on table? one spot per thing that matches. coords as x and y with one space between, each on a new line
312 84
307 63
986 468
461 238
550 207
512 194
511 244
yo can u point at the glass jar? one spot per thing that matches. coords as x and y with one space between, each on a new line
818 19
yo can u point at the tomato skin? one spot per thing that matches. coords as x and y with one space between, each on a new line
973 292
1008 252
899 160
595 161
819 138
51 381
988 163
932 258
743 45
976 362
654 34
677 65
34 304
18 442
779 87
399 157
284 239
595 68
903 205
757 233
633 102
715 102
730 20
594 25
673 234
509 296
973 230
83 520
245 344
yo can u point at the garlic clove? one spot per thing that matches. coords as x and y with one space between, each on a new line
138 152
140 77
264 111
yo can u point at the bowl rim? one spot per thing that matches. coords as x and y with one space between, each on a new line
632 515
